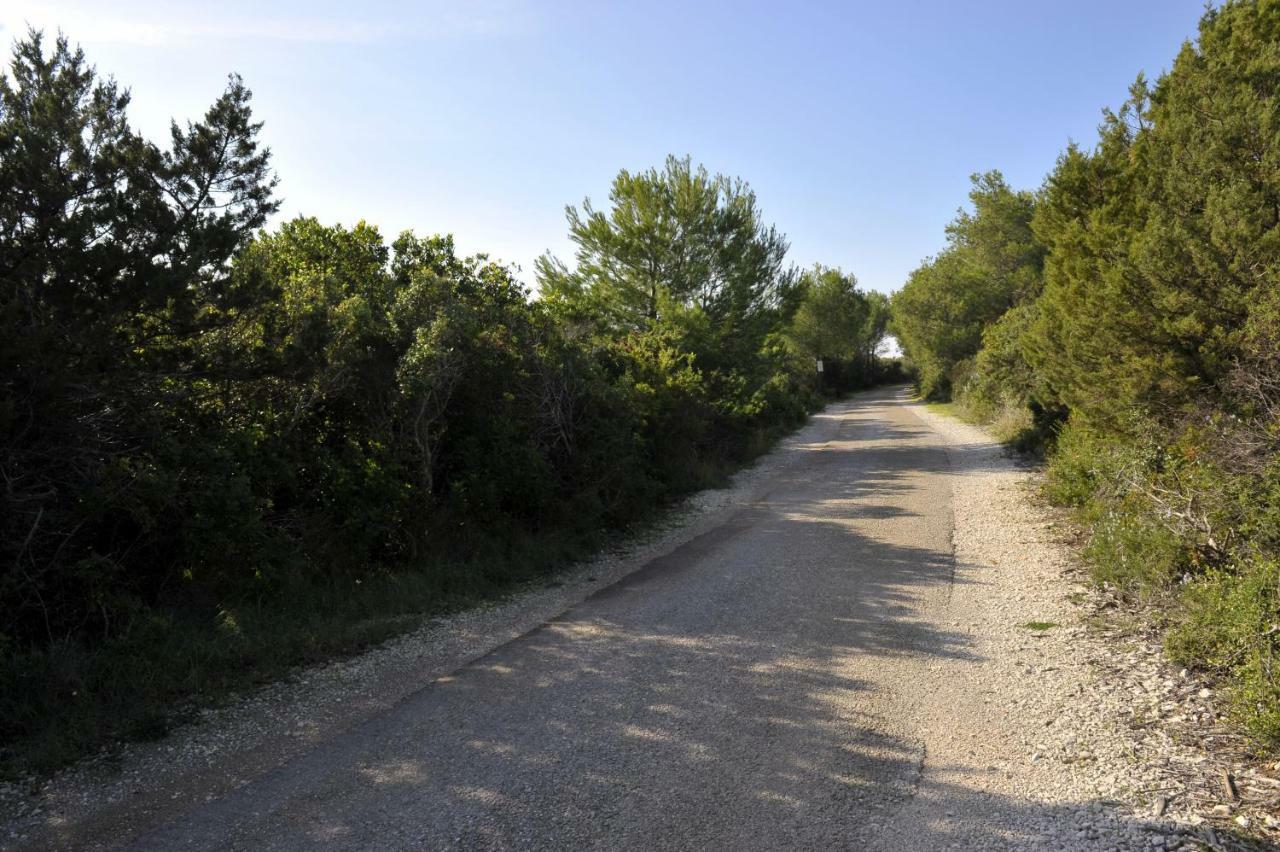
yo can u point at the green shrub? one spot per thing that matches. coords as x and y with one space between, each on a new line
1078 467
1129 549
1229 621
1103 479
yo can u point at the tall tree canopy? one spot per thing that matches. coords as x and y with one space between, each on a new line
676 236
114 261
1165 239
836 320
991 263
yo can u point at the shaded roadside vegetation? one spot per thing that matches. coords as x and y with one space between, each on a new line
226 450
1125 318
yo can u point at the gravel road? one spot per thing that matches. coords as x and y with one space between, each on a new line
832 653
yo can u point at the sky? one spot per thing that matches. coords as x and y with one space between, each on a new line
857 124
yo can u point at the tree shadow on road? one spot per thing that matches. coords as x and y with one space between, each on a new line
732 694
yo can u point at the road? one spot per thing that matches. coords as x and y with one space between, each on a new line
874 639
757 687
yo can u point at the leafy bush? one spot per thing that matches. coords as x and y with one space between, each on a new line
1129 548
1083 464
1229 621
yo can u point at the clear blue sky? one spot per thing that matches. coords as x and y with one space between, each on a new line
856 123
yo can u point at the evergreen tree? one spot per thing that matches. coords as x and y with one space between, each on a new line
678 236
113 265
992 262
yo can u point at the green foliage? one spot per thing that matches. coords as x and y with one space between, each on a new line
1001 375
1227 622
1129 548
113 270
1157 330
992 262
840 325
1082 463
676 236
833 317
1162 236
227 451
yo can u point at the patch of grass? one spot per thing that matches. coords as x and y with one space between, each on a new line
65 702
1013 425
1039 626
946 409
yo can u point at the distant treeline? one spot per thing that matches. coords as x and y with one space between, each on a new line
1127 315
225 450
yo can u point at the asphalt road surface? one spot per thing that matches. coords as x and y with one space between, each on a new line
758 687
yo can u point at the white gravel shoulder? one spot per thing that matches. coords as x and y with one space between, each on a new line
1074 736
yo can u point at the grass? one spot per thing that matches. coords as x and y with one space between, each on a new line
1012 425
946 409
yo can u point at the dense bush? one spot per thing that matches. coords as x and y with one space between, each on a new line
1156 329
1227 621
226 450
